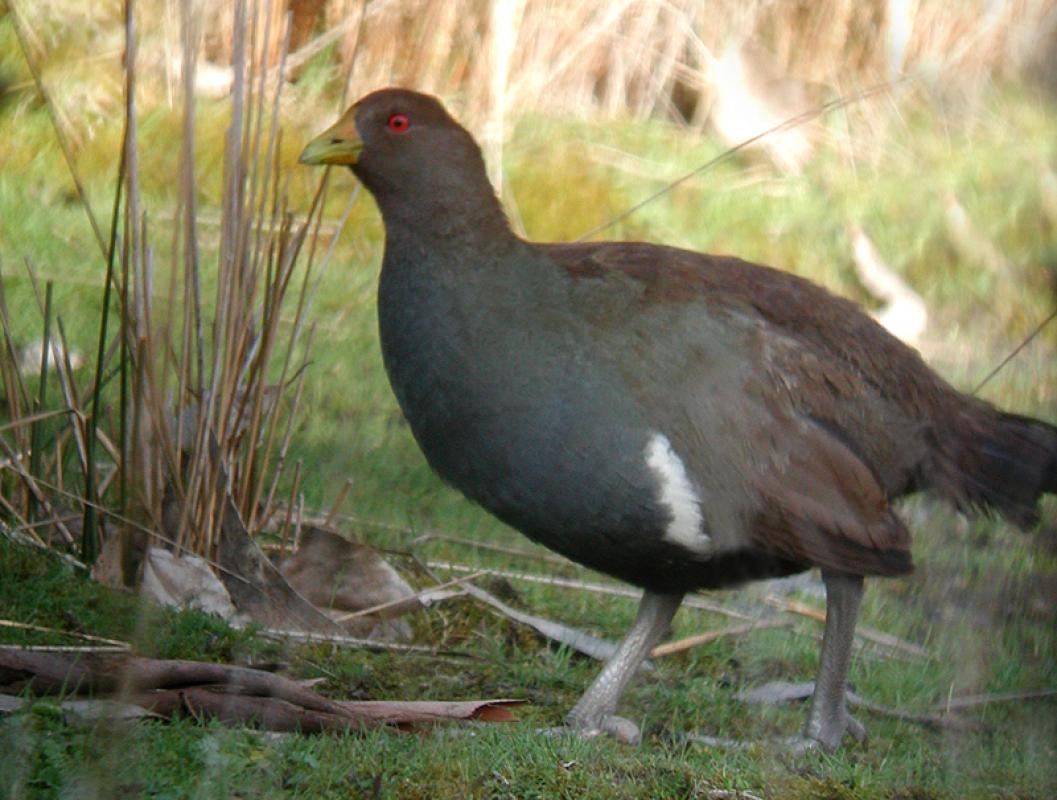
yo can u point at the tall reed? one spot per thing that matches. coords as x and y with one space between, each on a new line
197 377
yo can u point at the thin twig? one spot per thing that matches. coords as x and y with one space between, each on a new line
17 535
433 536
33 485
26 626
336 506
792 122
680 645
32 418
73 648
877 637
404 600
697 603
366 644
1027 340
559 632
976 700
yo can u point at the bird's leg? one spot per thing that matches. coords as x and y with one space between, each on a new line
594 713
828 720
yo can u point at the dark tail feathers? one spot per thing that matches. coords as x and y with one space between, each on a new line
1005 463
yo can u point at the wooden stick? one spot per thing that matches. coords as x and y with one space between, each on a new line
363 612
365 644
9 623
878 637
975 700
698 603
336 507
670 648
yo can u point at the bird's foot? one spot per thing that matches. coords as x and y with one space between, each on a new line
620 728
828 731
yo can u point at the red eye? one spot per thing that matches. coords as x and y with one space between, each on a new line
398 123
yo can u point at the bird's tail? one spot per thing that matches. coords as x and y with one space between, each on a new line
1002 463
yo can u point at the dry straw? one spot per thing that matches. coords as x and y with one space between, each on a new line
645 57
194 388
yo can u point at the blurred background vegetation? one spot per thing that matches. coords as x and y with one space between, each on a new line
583 109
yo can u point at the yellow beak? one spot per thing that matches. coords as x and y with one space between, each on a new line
339 144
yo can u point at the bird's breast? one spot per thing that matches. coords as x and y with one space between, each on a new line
515 405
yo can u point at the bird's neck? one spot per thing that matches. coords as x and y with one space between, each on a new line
450 218
443 235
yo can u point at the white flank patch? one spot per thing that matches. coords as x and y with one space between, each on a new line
676 492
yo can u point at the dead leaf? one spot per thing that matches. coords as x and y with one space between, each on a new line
185 581
403 712
256 586
342 576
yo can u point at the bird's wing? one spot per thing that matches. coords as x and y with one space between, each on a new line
831 327
821 504
759 385
786 482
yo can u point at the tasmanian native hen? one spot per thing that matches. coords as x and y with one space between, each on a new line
678 420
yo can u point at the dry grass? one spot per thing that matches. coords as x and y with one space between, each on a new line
191 399
636 58
653 57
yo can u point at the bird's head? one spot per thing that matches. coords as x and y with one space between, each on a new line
408 151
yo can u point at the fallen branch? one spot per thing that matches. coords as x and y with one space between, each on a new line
270 713
234 695
51 673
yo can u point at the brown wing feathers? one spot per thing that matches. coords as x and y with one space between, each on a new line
970 452
826 507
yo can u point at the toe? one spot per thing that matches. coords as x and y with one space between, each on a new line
856 729
621 729
830 732
617 727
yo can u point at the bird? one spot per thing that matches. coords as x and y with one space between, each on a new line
678 420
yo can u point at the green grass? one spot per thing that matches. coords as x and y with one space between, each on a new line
983 598
1011 756
47 592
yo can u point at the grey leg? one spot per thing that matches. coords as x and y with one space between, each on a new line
829 721
595 712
